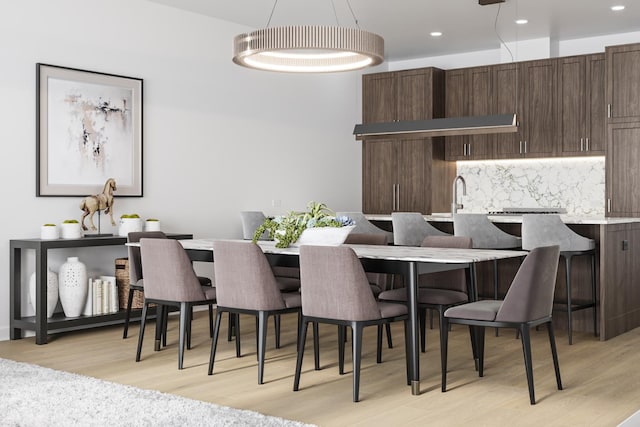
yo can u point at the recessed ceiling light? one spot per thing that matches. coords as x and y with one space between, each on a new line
521 21
617 8
436 33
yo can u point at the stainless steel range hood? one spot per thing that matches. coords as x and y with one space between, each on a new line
452 126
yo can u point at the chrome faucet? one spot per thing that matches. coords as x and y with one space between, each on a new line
455 205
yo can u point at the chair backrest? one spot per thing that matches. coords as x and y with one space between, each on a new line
250 221
333 284
548 229
530 296
168 272
364 226
382 280
135 262
484 233
454 280
244 278
410 229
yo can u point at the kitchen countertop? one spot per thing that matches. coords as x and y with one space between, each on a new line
517 219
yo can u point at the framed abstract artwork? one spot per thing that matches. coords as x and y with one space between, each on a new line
89 129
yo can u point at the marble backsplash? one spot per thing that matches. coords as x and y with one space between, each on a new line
576 184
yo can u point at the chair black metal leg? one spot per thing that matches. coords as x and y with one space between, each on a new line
184 327
341 334
188 326
262 343
495 286
356 331
141 333
301 340
528 363
127 314
474 347
164 313
210 320
389 339
277 326
567 259
478 332
554 354
232 327
214 341
236 323
444 344
316 346
407 353
257 338
379 345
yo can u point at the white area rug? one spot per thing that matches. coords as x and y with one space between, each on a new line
34 396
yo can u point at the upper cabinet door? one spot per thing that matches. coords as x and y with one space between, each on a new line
507 100
572 102
596 121
479 100
456 106
623 83
379 98
539 110
414 97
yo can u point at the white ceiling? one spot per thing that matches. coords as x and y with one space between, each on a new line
406 24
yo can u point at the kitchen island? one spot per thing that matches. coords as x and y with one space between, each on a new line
617 268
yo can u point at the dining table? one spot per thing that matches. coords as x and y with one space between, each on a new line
407 261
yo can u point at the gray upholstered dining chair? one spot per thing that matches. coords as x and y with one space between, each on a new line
364 226
528 303
246 284
171 281
136 280
485 235
410 229
436 291
548 229
335 290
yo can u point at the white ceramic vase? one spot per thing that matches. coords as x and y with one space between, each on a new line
70 230
73 286
49 232
128 225
151 225
52 291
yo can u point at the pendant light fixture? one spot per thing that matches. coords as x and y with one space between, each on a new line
308 49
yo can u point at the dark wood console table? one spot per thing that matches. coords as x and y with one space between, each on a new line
58 323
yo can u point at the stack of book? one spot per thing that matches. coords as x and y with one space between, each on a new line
102 297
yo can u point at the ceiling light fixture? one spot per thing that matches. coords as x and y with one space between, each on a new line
521 21
308 49
435 33
617 8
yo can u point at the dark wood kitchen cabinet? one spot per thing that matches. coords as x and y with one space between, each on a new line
402 95
582 117
468 93
622 172
408 175
532 86
623 83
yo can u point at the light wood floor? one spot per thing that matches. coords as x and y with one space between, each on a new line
600 378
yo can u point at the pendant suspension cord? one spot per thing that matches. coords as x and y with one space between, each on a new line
495 29
333 5
271 15
353 14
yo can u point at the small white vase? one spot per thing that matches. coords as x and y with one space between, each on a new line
151 225
128 225
70 230
73 286
52 291
49 232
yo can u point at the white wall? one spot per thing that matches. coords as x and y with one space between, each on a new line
218 138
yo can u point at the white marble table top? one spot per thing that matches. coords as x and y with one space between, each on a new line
393 253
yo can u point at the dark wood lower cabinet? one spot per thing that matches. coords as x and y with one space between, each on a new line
623 175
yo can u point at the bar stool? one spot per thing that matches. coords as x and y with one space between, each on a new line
485 235
410 229
364 226
544 230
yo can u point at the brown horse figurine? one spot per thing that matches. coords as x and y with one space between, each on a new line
98 202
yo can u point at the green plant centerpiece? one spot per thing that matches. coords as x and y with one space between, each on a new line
286 229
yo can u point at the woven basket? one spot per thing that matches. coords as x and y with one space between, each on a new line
122 281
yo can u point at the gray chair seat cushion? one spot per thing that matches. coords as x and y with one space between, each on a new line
205 281
389 309
209 292
139 285
288 284
548 230
427 296
479 310
292 299
375 289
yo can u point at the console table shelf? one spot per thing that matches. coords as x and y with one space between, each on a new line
58 323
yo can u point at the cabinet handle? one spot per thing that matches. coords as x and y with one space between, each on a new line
587 144
525 147
581 144
398 197
608 205
520 147
393 198
469 150
609 110
464 150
